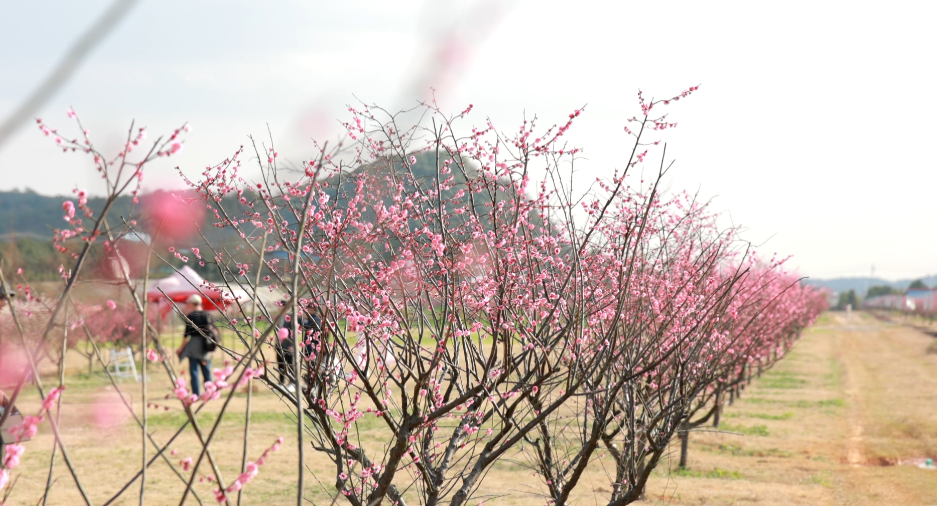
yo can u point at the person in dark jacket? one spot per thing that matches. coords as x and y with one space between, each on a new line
6 295
198 342
309 328
284 349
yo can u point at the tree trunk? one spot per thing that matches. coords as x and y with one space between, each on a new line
684 445
718 411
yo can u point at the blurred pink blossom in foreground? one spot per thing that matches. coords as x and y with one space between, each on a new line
108 410
14 364
49 402
170 218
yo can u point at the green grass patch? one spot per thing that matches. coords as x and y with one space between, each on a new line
824 319
804 404
824 403
835 377
739 451
831 403
177 417
717 473
762 400
754 430
83 382
761 416
823 479
781 380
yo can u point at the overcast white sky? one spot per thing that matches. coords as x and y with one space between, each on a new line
814 124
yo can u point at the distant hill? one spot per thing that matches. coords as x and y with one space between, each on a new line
28 221
30 215
861 285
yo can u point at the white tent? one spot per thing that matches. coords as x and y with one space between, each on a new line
181 285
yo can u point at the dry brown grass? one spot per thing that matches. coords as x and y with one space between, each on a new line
826 426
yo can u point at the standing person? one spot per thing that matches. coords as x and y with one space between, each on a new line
199 341
309 328
285 348
6 295
5 298
326 374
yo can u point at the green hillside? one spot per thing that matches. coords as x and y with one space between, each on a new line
28 214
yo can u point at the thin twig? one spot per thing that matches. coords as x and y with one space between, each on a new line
247 411
58 407
143 359
246 363
97 353
42 395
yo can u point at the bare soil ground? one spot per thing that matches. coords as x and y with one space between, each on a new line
839 421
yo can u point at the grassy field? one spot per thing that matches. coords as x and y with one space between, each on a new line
837 422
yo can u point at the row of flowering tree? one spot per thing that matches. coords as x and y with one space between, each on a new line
472 295
775 308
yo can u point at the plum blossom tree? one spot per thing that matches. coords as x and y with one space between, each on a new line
773 309
455 287
121 173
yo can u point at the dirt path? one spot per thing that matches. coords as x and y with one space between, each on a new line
843 420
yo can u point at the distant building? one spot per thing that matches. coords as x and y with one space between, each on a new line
916 301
